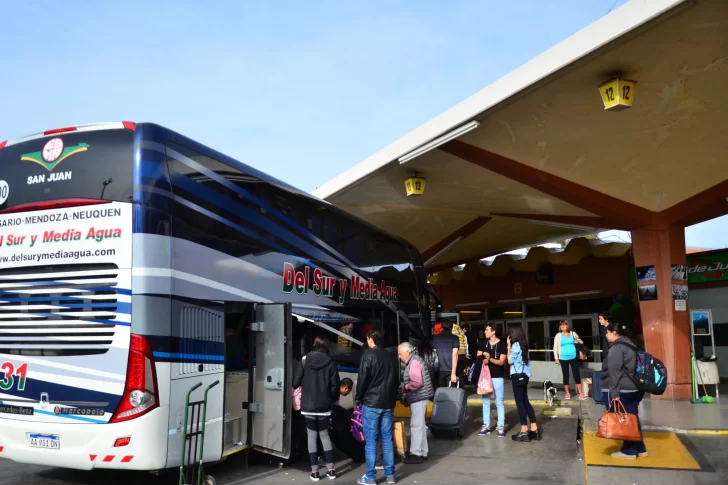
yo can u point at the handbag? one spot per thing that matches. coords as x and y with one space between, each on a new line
485 382
619 424
520 379
583 352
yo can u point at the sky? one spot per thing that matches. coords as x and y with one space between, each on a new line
299 90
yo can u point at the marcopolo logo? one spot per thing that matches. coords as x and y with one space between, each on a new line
53 153
59 411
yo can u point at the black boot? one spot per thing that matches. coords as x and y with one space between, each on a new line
535 435
522 436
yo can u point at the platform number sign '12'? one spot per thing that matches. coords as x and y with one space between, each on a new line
10 373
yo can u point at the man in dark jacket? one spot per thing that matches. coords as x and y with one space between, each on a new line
376 390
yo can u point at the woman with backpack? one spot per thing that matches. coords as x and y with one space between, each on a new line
319 378
618 379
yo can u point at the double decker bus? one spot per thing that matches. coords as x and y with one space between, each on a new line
136 263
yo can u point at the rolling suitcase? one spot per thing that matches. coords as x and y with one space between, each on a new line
448 411
597 387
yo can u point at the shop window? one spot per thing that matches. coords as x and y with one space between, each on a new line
472 316
537 341
551 309
591 305
514 312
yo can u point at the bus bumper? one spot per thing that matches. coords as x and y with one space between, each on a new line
90 446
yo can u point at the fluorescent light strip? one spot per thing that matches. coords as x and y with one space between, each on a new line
520 299
580 293
477 303
443 251
562 225
439 141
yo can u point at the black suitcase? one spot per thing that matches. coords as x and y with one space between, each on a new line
448 411
597 387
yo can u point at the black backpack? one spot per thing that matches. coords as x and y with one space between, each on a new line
650 374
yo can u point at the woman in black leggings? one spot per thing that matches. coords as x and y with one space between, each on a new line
319 379
567 356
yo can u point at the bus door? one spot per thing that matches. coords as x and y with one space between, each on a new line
199 360
271 401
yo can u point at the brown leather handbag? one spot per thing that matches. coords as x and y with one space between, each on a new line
619 424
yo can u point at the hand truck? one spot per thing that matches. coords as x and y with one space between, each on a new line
191 471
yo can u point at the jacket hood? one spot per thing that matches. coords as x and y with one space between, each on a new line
317 360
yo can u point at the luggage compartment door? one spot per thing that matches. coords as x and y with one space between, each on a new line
271 401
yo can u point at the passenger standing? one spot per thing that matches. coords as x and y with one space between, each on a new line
418 390
320 380
566 355
447 347
618 379
518 358
376 390
494 351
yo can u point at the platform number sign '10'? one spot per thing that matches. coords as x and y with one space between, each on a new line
11 373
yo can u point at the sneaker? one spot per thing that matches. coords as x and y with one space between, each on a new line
365 481
567 397
391 480
484 431
643 454
331 474
501 433
315 476
619 454
583 397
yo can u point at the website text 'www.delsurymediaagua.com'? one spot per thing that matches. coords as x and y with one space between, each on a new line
53 255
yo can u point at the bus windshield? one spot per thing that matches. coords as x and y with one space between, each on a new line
85 165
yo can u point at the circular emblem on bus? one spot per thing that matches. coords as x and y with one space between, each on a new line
52 150
57 410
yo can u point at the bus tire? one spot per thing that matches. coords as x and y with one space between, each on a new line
209 480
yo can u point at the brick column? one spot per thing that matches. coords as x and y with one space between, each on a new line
666 331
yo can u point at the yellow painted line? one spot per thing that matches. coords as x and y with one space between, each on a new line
709 432
401 411
665 450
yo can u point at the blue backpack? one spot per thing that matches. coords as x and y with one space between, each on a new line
650 374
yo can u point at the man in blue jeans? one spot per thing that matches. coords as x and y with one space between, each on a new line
376 390
494 351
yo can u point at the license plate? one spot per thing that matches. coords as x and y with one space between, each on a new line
48 442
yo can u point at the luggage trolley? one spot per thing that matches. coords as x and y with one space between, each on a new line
191 471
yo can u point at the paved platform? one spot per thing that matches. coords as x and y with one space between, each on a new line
555 459
691 455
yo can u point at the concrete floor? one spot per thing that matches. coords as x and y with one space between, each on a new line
455 462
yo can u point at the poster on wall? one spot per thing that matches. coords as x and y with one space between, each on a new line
680 292
681 305
679 272
648 293
700 322
646 273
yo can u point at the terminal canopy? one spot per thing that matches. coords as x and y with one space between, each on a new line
535 157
